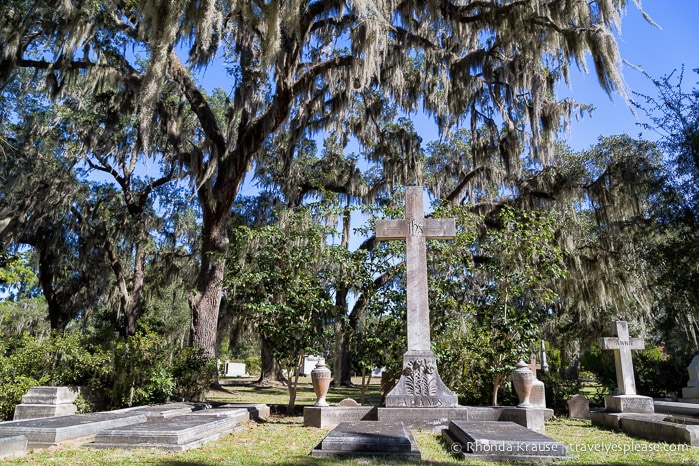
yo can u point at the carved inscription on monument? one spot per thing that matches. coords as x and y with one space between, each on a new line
413 401
415 227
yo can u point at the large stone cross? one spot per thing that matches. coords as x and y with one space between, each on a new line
415 229
622 346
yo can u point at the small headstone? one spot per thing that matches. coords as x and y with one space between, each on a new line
579 407
348 402
691 391
378 371
42 402
368 438
235 369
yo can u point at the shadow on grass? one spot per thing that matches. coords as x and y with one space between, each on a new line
325 461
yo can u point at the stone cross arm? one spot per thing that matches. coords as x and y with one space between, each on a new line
431 228
622 346
615 343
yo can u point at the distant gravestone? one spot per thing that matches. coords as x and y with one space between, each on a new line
691 391
419 384
579 407
627 401
235 369
348 402
309 363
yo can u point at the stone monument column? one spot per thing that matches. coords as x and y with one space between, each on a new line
419 384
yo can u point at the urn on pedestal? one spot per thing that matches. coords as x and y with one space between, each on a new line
522 379
320 378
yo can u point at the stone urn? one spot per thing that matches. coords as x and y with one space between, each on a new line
522 379
321 377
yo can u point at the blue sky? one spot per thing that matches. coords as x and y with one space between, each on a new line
657 51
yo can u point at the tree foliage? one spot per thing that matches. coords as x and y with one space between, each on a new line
299 66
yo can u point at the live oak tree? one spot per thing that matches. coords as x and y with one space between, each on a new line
299 63
673 111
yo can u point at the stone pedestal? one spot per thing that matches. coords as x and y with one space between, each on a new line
420 385
47 402
331 416
628 404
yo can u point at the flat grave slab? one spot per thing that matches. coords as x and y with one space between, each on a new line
257 411
501 440
47 432
178 433
12 446
163 411
674 407
368 438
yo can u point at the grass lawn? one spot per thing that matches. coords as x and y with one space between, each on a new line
284 441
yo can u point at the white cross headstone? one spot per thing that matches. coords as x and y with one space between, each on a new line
622 346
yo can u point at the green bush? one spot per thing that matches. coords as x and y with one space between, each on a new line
656 374
141 375
559 389
253 365
57 360
193 373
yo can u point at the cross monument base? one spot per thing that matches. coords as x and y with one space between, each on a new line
420 385
628 404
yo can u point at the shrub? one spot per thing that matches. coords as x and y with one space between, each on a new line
253 365
193 373
559 389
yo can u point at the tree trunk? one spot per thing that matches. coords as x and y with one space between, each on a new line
205 303
497 382
132 309
270 370
366 380
346 358
294 383
343 332
57 317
